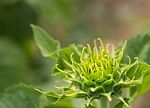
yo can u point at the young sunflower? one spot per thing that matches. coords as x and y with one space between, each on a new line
95 73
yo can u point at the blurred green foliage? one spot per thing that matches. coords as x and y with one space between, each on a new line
23 96
20 96
14 64
68 20
19 60
15 19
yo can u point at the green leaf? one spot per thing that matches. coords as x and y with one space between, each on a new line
75 94
53 96
138 46
143 75
66 94
70 94
20 96
64 58
134 71
47 44
145 87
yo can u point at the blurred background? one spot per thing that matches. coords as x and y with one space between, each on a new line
69 21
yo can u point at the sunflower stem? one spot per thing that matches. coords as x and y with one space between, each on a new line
104 103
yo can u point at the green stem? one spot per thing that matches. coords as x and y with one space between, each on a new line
104 103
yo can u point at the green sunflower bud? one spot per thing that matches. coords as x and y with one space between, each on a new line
97 72
94 73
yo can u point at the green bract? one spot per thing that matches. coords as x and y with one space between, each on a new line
94 72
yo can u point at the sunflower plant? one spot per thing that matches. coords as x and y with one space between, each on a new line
93 72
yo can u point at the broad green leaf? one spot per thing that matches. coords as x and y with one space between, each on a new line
20 96
47 44
139 46
145 87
